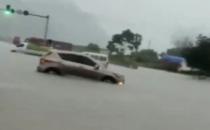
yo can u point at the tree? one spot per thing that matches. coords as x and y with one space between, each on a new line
126 41
133 39
93 47
183 42
137 41
198 55
127 36
111 47
180 44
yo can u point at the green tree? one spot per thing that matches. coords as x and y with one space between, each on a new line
127 40
137 41
111 47
183 42
198 55
93 47
179 45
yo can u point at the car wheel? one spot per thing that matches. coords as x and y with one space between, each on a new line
38 70
13 51
53 71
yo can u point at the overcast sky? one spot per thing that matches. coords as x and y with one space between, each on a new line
68 22
159 21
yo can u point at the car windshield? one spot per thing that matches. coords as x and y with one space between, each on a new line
103 58
100 58
104 64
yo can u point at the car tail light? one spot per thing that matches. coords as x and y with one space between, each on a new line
45 61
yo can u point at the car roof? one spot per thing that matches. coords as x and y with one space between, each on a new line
92 53
67 52
72 52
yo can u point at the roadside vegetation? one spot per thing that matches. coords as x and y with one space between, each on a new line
197 54
37 48
91 47
123 49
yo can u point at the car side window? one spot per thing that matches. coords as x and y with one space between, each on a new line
68 57
77 59
86 61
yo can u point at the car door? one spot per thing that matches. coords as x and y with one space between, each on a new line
69 62
86 68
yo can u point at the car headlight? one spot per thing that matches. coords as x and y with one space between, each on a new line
120 83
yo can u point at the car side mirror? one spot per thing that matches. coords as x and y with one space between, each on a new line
96 67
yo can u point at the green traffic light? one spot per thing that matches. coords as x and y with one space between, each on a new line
7 12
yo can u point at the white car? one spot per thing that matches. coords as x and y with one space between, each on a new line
24 45
102 58
66 62
20 48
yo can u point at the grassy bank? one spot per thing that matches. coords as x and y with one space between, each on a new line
125 61
38 48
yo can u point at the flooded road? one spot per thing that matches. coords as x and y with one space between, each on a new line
150 99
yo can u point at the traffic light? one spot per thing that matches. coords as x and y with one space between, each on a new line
25 13
9 10
12 11
6 12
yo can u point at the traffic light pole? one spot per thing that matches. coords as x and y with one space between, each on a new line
46 25
27 13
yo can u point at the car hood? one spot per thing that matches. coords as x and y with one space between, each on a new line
111 73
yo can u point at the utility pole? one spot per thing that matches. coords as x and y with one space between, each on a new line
149 44
47 26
